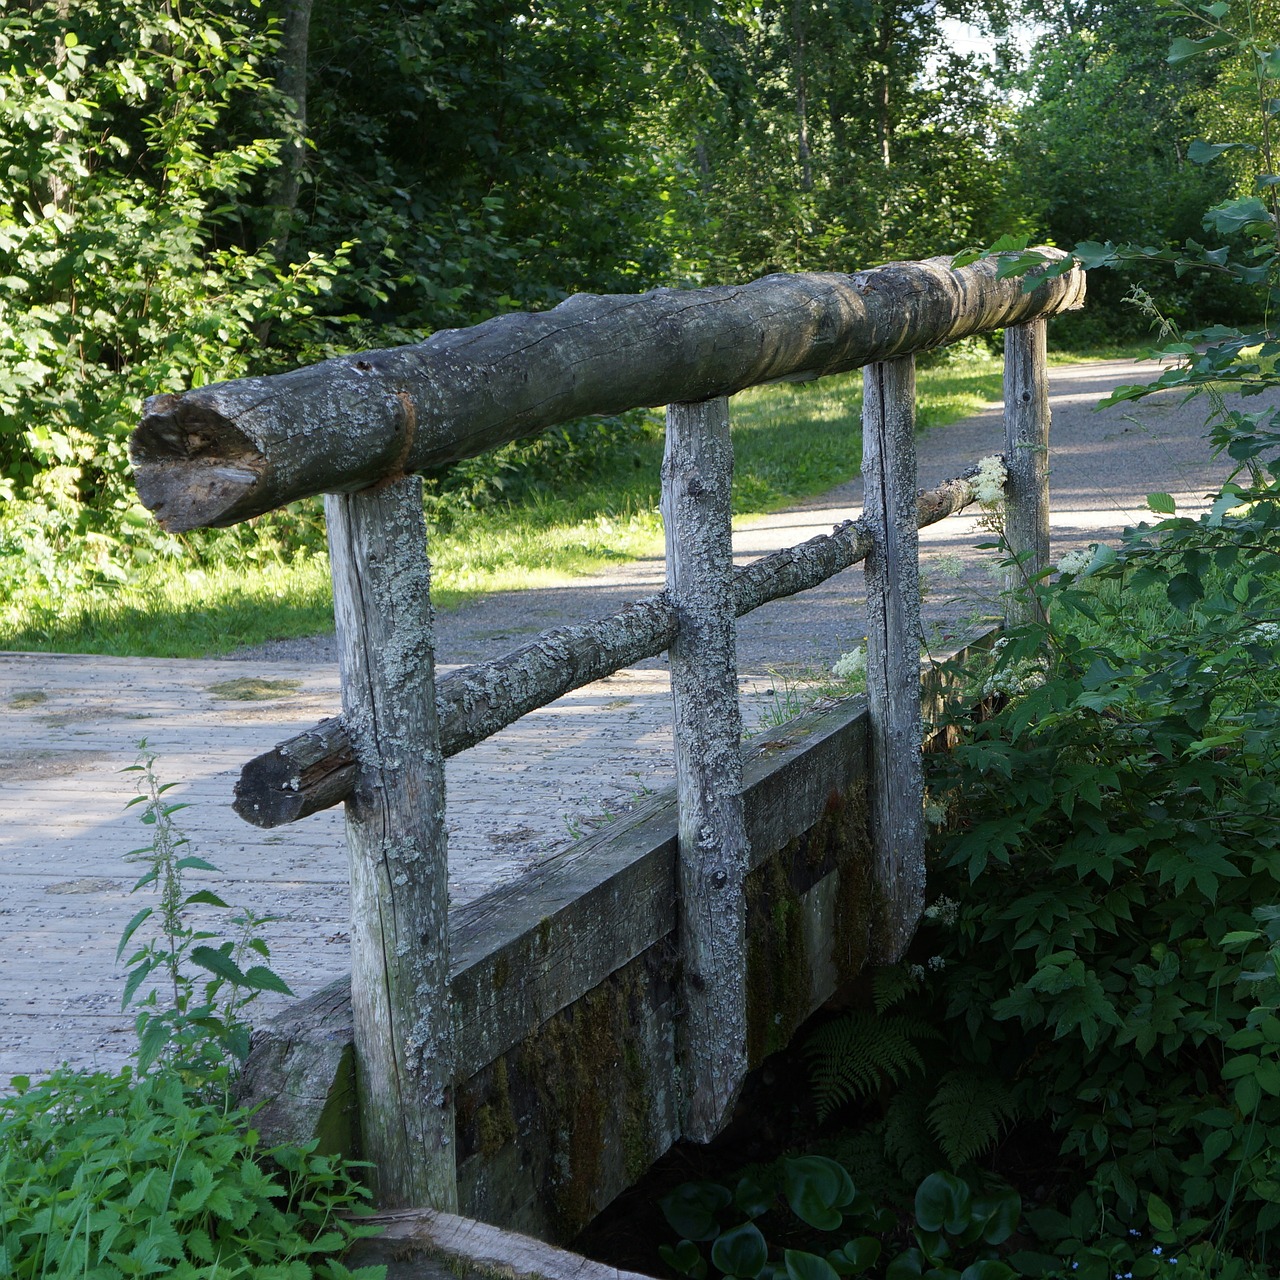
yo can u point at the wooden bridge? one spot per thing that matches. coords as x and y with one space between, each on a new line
526 1057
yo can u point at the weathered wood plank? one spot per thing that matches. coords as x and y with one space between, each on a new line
893 650
397 842
697 473
421 1244
316 769
1026 427
538 962
532 947
222 453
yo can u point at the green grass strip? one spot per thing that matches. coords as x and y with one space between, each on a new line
791 441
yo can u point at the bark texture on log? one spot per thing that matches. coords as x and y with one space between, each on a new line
316 769
697 473
421 1244
397 843
893 652
1026 428
222 453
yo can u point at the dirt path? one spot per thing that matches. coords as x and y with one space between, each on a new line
69 724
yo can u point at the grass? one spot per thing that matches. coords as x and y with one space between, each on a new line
790 441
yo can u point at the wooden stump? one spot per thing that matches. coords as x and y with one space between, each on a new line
696 476
893 651
1026 429
397 844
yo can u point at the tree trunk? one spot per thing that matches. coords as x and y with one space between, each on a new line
798 51
291 80
1026 426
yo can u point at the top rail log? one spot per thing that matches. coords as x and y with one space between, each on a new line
223 453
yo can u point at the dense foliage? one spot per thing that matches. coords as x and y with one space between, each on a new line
153 1169
200 190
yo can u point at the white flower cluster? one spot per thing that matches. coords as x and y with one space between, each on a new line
851 666
1265 633
945 910
988 484
1016 678
1076 561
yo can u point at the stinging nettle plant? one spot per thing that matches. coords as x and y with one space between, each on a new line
197 1025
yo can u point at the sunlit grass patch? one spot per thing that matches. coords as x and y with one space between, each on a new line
791 441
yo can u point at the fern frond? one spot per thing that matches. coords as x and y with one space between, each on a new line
890 984
854 1055
907 1141
967 1112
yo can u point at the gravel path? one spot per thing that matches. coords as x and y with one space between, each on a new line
69 724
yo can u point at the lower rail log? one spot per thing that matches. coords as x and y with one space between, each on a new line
315 770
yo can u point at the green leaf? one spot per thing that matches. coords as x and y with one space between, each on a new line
1183 590
1090 254
740 1251
205 896
260 978
692 1207
906 1266
1183 48
193 864
807 1266
817 1189
861 1254
750 1199
988 1269
1162 504
131 928
684 1258
1201 152
943 1203
220 963
1236 215
1158 1213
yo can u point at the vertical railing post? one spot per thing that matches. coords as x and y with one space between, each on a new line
696 475
397 844
1026 430
893 651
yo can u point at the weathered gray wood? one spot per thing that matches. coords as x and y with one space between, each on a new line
893 649
231 450
316 769
532 963
533 947
397 842
1026 428
421 1244
697 472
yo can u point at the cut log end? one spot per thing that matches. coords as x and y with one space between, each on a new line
192 467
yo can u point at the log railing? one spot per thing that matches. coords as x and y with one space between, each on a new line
359 429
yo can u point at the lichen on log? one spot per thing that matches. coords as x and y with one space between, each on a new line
316 769
222 453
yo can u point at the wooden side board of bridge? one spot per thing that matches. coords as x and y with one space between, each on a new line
530 1057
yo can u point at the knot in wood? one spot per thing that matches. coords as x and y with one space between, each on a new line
694 487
